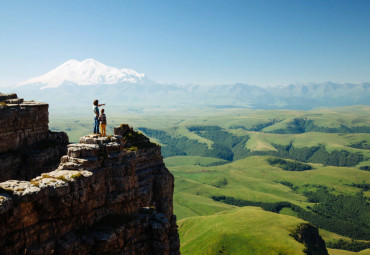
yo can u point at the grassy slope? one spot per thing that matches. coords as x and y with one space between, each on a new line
333 141
191 160
247 230
253 179
183 131
342 252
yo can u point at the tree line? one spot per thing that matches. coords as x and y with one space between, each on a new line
304 125
342 214
289 165
231 147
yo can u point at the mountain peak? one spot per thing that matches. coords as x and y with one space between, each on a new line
86 72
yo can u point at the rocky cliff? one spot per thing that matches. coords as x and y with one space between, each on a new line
27 147
110 195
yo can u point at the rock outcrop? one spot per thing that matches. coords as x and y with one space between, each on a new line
109 195
27 147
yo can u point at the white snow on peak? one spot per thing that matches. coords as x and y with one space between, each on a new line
86 72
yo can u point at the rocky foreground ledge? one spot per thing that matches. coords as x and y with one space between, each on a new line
27 146
109 195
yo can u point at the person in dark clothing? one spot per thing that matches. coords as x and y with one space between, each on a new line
103 122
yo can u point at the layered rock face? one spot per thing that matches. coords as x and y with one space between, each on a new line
108 196
22 123
27 147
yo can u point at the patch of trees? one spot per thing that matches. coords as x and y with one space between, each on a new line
289 151
289 184
342 214
308 235
304 125
347 213
238 127
336 158
271 207
365 168
218 151
216 163
352 209
239 150
363 186
225 139
360 129
184 146
204 128
257 127
289 165
352 245
361 145
286 183
221 137
318 154
220 182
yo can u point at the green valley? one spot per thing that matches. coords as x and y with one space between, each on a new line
245 179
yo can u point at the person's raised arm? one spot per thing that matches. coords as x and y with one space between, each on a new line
101 104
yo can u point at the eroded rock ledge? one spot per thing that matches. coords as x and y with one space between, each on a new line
27 147
109 195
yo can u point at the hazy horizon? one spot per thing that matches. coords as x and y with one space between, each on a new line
50 79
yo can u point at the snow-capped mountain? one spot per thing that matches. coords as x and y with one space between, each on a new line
86 72
76 84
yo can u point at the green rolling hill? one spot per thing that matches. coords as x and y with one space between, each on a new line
223 163
247 230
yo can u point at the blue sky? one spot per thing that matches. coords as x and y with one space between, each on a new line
202 42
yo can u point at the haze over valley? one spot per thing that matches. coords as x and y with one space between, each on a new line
74 84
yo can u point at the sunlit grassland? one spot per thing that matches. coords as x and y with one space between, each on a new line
192 160
184 131
342 252
250 179
333 141
254 179
247 230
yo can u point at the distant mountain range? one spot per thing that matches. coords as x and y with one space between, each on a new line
78 83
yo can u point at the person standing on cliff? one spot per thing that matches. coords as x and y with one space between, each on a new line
96 112
103 122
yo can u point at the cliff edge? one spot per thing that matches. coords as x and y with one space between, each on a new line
109 195
27 146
